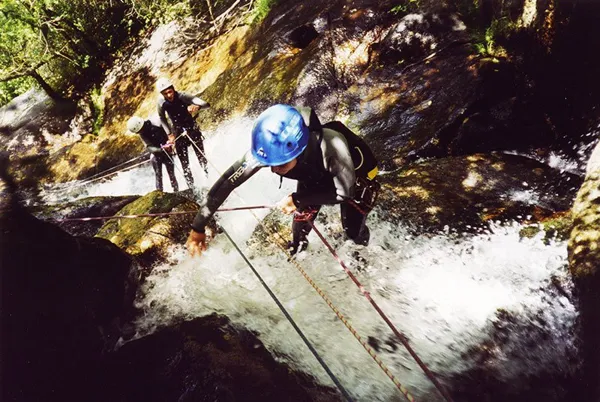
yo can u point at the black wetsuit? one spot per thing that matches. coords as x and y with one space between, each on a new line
183 121
326 175
154 136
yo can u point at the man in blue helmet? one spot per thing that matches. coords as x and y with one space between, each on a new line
331 164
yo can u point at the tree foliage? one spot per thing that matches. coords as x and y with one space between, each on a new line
65 46
57 42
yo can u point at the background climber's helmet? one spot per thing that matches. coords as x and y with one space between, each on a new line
135 124
163 83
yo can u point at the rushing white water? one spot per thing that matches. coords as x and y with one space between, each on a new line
442 291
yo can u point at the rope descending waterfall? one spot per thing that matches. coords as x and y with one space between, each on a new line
104 174
291 320
322 294
400 336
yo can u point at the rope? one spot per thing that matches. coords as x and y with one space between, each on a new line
291 320
114 167
99 218
103 177
357 336
175 165
93 179
400 336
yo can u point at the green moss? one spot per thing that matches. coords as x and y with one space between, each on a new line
405 7
274 232
557 227
82 204
529 232
145 235
261 9
262 81
97 108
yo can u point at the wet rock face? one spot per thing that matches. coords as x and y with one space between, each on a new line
513 363
464 193
147 238
63 300
273 233
584 263
301 37
205 359
25 118
417 35
30 125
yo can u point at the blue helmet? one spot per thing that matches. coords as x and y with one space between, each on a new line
279 135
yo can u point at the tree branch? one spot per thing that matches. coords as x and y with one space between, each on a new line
13 75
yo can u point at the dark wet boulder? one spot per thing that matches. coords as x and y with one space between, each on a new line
520 357
29 121
30 125
64 302
584 263
272 234
205 359
417 35
464 193
83 208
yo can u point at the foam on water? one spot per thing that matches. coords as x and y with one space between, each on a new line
442 293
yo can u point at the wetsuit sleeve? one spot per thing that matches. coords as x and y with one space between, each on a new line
338 162
193 100
237 174
163 117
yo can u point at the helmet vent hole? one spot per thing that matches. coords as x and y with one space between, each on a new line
289 145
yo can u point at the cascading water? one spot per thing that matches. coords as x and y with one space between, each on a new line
446 292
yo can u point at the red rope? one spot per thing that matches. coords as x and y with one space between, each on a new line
400 336
98 218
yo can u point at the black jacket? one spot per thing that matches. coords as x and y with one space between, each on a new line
178 113
153 136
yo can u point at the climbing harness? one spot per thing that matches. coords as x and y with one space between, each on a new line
305 215
366 192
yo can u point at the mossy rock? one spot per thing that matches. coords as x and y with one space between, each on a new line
82 208
556 227
147 238
86 158
275 231
465 193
